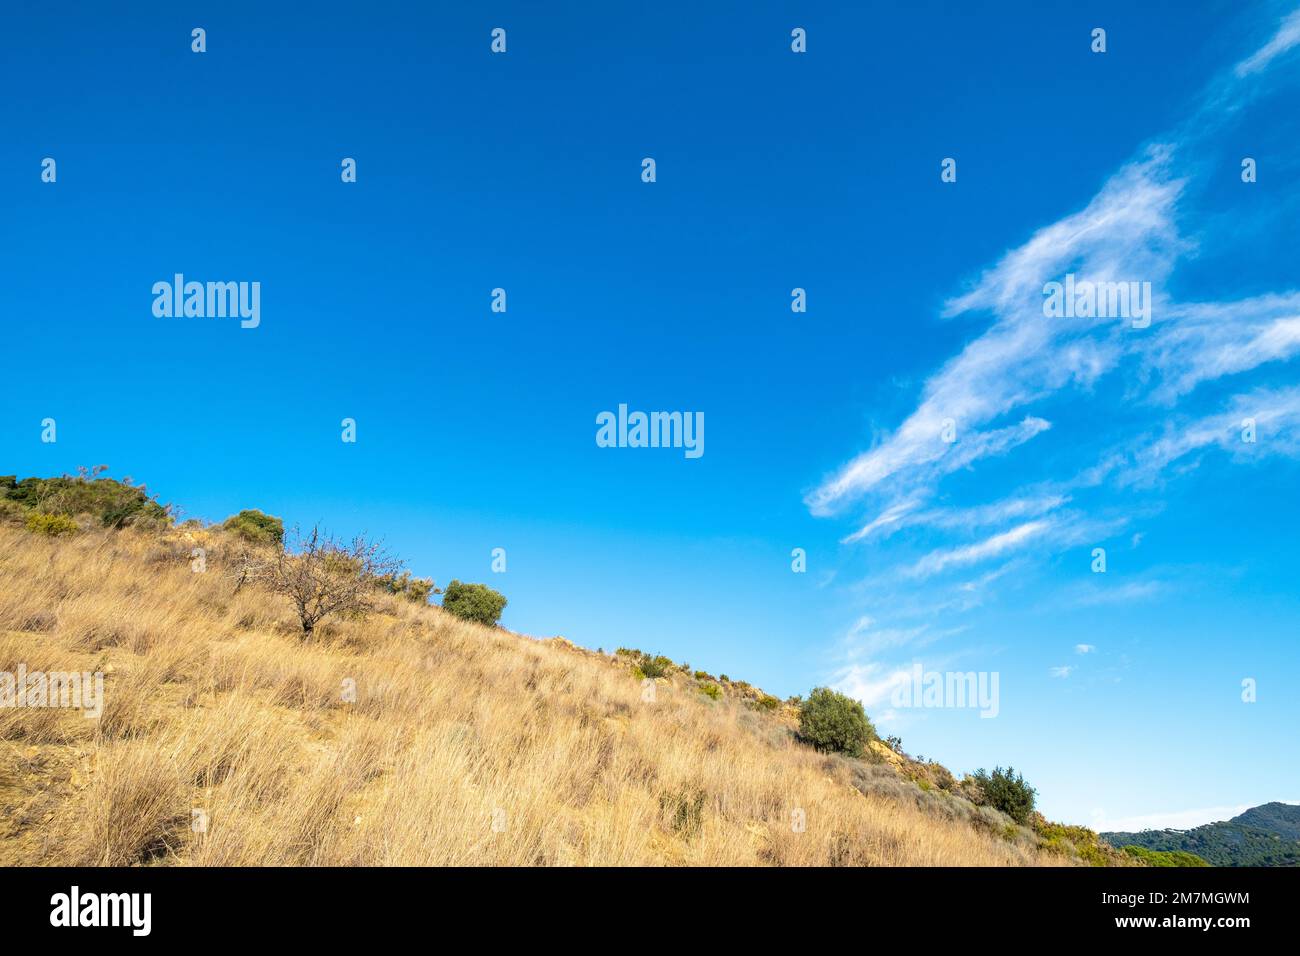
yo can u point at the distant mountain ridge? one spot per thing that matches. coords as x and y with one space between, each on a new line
1267 835
1282 819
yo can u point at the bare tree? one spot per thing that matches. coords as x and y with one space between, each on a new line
324 576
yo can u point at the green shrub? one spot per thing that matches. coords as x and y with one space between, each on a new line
420 589
1007 791
474 602
711 691
413 589
1164 857
703 675
767 702
38 522
1074 841
830 721
115 503
656 666
724 677
256 528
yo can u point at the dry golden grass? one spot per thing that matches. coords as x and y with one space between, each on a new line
225 740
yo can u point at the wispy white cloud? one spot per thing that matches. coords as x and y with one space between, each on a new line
1084 648
1272 414
905 515
886 523
1127 232
937 561
1286 38
872 682
1062 671
984 580
1208 341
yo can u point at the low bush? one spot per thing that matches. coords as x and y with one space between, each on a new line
474 602
413 589
115 503
38 522
711 691
1074 841
255 527
656 666
1164 857
833 722
1007 791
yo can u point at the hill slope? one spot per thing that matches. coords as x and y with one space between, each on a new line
405 737
1267 835
1280 819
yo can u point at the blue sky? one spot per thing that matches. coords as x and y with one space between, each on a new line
1120 693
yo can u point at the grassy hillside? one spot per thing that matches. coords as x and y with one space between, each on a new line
408 736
